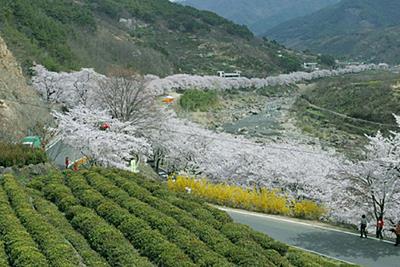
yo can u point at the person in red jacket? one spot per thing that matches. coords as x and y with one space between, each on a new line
67 162
379 228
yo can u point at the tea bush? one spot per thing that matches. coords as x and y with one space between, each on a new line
20 155
48 210
19 245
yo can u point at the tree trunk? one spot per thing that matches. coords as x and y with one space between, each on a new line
157 165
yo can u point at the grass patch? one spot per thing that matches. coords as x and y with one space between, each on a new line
197 100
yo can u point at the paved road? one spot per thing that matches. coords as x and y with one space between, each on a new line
333 243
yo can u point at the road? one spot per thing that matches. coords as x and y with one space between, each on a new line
330 242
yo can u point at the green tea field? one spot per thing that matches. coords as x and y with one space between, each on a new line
105 217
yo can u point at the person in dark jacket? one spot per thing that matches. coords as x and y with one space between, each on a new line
363 226
397 232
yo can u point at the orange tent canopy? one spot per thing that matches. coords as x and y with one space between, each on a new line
168 99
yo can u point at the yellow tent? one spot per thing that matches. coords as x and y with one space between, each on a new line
168 99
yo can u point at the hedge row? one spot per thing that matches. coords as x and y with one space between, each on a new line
106 239
141 193
213 238
169 227
299 258
48 210
150 242
238 234
57 250
150 185
20 155
241 235
22 251
3 255
239 254
103 238
195 209
166 194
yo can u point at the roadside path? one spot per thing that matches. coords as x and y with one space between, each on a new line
333 243
346 116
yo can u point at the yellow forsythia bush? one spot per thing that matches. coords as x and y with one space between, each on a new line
263 200
308 209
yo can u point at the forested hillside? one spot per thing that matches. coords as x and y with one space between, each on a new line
363 29
342 110
260 15
150 36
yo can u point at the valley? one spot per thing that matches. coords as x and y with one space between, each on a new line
150 133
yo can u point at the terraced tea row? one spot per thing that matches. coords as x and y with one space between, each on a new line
105 217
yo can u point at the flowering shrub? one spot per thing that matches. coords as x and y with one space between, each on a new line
308 210
263 200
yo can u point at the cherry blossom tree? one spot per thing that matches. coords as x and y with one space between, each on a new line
65 85
299 169
82 87
81 128
375 181
126 97
185 81
47 84
69 89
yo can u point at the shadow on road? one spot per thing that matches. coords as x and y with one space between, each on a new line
345 245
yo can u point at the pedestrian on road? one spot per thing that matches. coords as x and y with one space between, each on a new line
67 162
363 226
379 227
397 232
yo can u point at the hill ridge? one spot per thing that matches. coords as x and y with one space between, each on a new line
360 29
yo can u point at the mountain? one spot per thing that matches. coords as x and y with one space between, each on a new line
149 36
20 106
364 29
260 15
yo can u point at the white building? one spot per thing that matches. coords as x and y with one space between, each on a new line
236 74
383 66
311 66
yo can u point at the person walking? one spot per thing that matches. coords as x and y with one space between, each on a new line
363 226
379 228
67 162
397 232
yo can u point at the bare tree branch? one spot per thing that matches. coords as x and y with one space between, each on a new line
124 94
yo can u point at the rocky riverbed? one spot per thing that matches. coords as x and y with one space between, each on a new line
255 116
